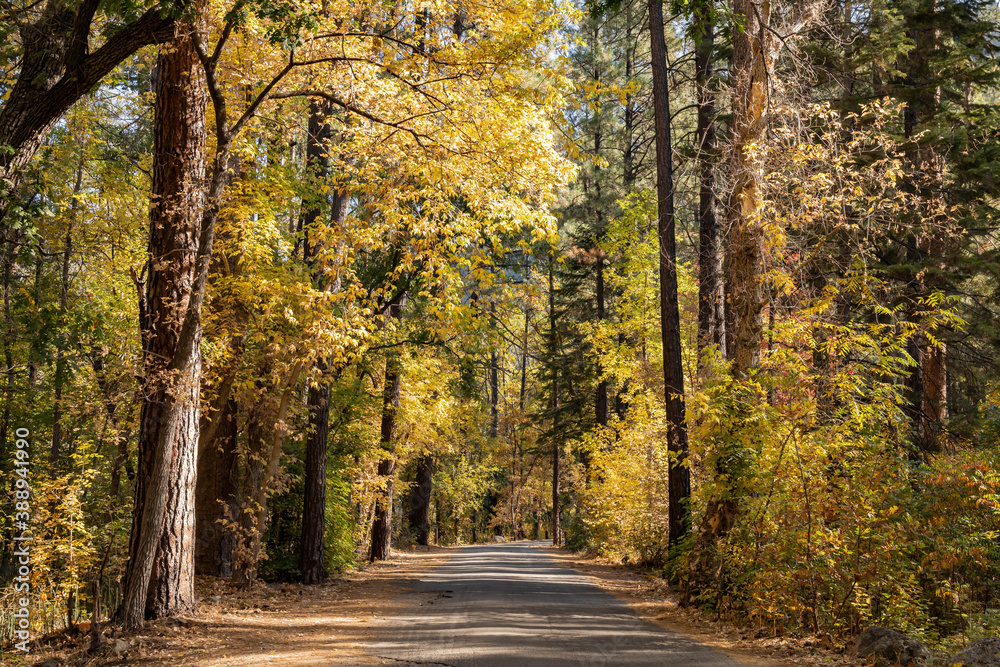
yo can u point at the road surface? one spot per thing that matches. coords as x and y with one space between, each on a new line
509 605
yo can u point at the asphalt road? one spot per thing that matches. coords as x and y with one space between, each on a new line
508 605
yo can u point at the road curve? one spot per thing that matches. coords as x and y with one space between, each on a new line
508 605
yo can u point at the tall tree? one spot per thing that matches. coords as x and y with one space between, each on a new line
670 323
756 44
160 577
314 498
711 300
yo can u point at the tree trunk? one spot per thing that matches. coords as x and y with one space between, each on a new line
160 575
927 181
601 402
217 489
711 310
382 528
217 492
63 337
673 372
9 259
494 380
553 339
752 57
751 63
311 562
419 516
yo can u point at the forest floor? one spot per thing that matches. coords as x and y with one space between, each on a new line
330 624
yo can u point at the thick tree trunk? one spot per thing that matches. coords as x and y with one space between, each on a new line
751 62
711 308
419 515
673 371
160 575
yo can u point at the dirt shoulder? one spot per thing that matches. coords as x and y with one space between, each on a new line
276 625
652 599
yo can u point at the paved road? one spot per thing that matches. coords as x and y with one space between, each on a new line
508 605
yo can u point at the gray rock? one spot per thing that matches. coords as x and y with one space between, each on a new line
980 653
889 647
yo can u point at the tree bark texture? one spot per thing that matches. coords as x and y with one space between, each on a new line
752 58
311 562
217 489
419 515
670 329
711 298
753 54
160 575
927 181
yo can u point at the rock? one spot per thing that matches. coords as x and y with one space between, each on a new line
889 647
980 653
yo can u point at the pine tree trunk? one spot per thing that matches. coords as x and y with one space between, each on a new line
160 575
673 372
927 181
711 300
